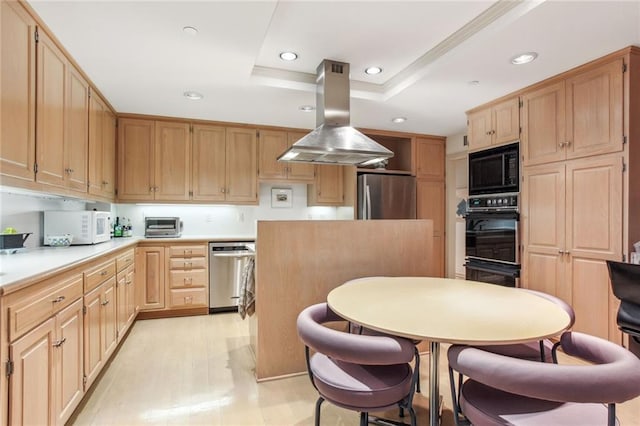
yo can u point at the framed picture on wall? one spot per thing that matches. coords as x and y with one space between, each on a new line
281 198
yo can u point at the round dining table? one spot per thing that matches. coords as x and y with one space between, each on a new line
445 310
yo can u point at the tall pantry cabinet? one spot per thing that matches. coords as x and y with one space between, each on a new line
575 186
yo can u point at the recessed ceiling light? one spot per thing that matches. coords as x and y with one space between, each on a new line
373 70
306 108
192 31
474 82
288 56
524 58
194 96
399 119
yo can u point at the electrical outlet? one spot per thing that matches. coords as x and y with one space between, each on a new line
241 217
209 218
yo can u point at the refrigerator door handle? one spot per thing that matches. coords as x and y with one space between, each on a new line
367 203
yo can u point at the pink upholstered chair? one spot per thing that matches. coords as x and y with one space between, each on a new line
357 372
502 390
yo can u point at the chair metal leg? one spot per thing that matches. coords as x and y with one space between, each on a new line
318 404
454 398
417 367
611 414
401 413
364 419
412 413
542 354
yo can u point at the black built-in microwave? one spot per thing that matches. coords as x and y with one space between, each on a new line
495 170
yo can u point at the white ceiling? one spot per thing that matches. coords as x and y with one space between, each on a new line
141 60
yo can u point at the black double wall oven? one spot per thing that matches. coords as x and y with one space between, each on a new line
492 219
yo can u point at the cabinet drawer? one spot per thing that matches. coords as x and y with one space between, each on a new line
193 278
188 263
188 251
93 277
33 310
124 260
186 298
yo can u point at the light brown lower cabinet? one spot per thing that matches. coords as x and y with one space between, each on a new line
46 384
151 273
126 307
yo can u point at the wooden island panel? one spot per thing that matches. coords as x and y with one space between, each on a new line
299 262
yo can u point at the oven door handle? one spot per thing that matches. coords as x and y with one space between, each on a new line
508 272
493 215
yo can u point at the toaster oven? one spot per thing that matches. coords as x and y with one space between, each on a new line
162 227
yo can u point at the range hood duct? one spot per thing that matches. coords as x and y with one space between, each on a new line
334 140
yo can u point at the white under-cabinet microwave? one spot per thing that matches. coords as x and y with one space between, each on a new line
87 227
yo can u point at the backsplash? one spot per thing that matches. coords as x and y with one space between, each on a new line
23 210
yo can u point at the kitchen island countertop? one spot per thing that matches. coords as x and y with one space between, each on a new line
31 265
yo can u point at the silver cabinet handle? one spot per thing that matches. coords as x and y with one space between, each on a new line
58 299
59 342
105 303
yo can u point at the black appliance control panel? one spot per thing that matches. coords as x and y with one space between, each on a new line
494 202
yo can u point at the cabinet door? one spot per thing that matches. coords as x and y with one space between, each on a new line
172 161
130 295
96 136
328 189
543 226
429 158
50 112
135 159
430 204
93 330
594 235
77 130
594 111
208 155
108 154
543 125
506 121
299 172
121 302
151 267
69 361
18 88
110 331
271 144
241 166
31 385
479 129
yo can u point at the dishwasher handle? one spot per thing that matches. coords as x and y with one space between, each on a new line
233 254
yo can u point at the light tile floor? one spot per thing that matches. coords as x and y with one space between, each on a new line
199 370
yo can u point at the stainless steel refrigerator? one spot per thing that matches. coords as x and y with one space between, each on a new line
383 196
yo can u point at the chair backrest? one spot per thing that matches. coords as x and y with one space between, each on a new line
613 378
625 281
353 348
564 305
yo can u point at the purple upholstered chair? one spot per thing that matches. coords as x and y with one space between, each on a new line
357 372
502 390
536 350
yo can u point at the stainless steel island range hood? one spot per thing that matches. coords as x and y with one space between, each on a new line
334 140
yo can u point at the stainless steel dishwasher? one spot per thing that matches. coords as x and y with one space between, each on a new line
226 263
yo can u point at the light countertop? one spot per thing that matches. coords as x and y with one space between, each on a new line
30 265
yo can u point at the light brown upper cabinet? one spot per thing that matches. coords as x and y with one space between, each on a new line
208 170
102 149
18 88
62 119
543 124
153 160
576 117
136 142
171 161
241 166
328 189
494 125
429 158
594 111
272 143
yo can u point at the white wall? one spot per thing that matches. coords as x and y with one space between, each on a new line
22 210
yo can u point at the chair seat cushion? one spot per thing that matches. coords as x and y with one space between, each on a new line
364 387
486 406
529 350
